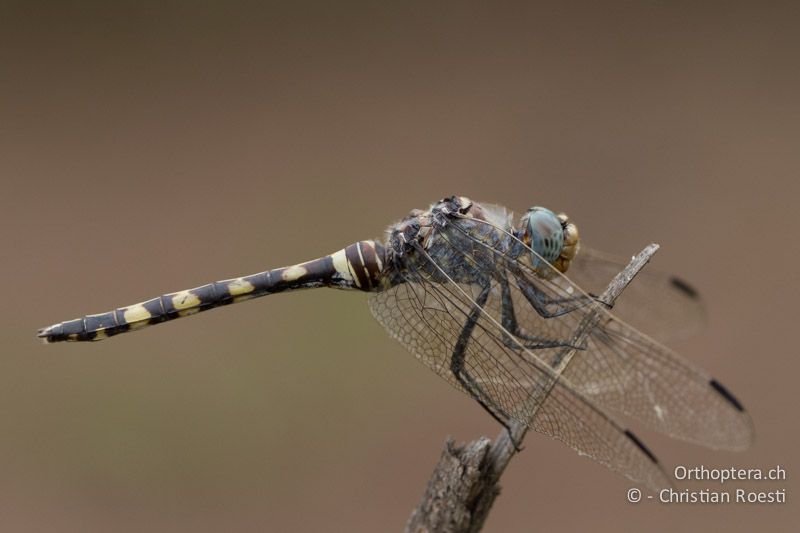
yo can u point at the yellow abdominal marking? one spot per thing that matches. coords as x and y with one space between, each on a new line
240 286
377 257
189 311
341 265
137 316
185 300
294 272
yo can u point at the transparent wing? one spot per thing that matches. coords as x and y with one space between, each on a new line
620 368
663 305
428 318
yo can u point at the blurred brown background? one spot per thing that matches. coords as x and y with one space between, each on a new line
151 148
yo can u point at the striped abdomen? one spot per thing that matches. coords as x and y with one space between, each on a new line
358 266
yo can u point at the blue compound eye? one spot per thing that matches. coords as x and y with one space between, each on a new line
547 235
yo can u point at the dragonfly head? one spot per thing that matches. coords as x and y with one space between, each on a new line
553 237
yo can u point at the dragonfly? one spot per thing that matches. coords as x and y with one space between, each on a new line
485 302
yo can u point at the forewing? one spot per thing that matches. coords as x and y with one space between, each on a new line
663 305
630 373
626 371
427 317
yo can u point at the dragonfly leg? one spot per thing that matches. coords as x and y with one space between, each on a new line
543 302
509 321
458 360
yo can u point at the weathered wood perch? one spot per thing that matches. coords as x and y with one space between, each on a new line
466 480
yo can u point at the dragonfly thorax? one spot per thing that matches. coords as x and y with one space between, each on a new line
453 240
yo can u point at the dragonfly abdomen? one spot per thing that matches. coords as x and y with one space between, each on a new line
358 266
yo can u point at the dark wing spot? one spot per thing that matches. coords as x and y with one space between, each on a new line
725 393
641 446
684 287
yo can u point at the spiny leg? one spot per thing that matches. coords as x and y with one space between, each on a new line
457 364
541 301
510 324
